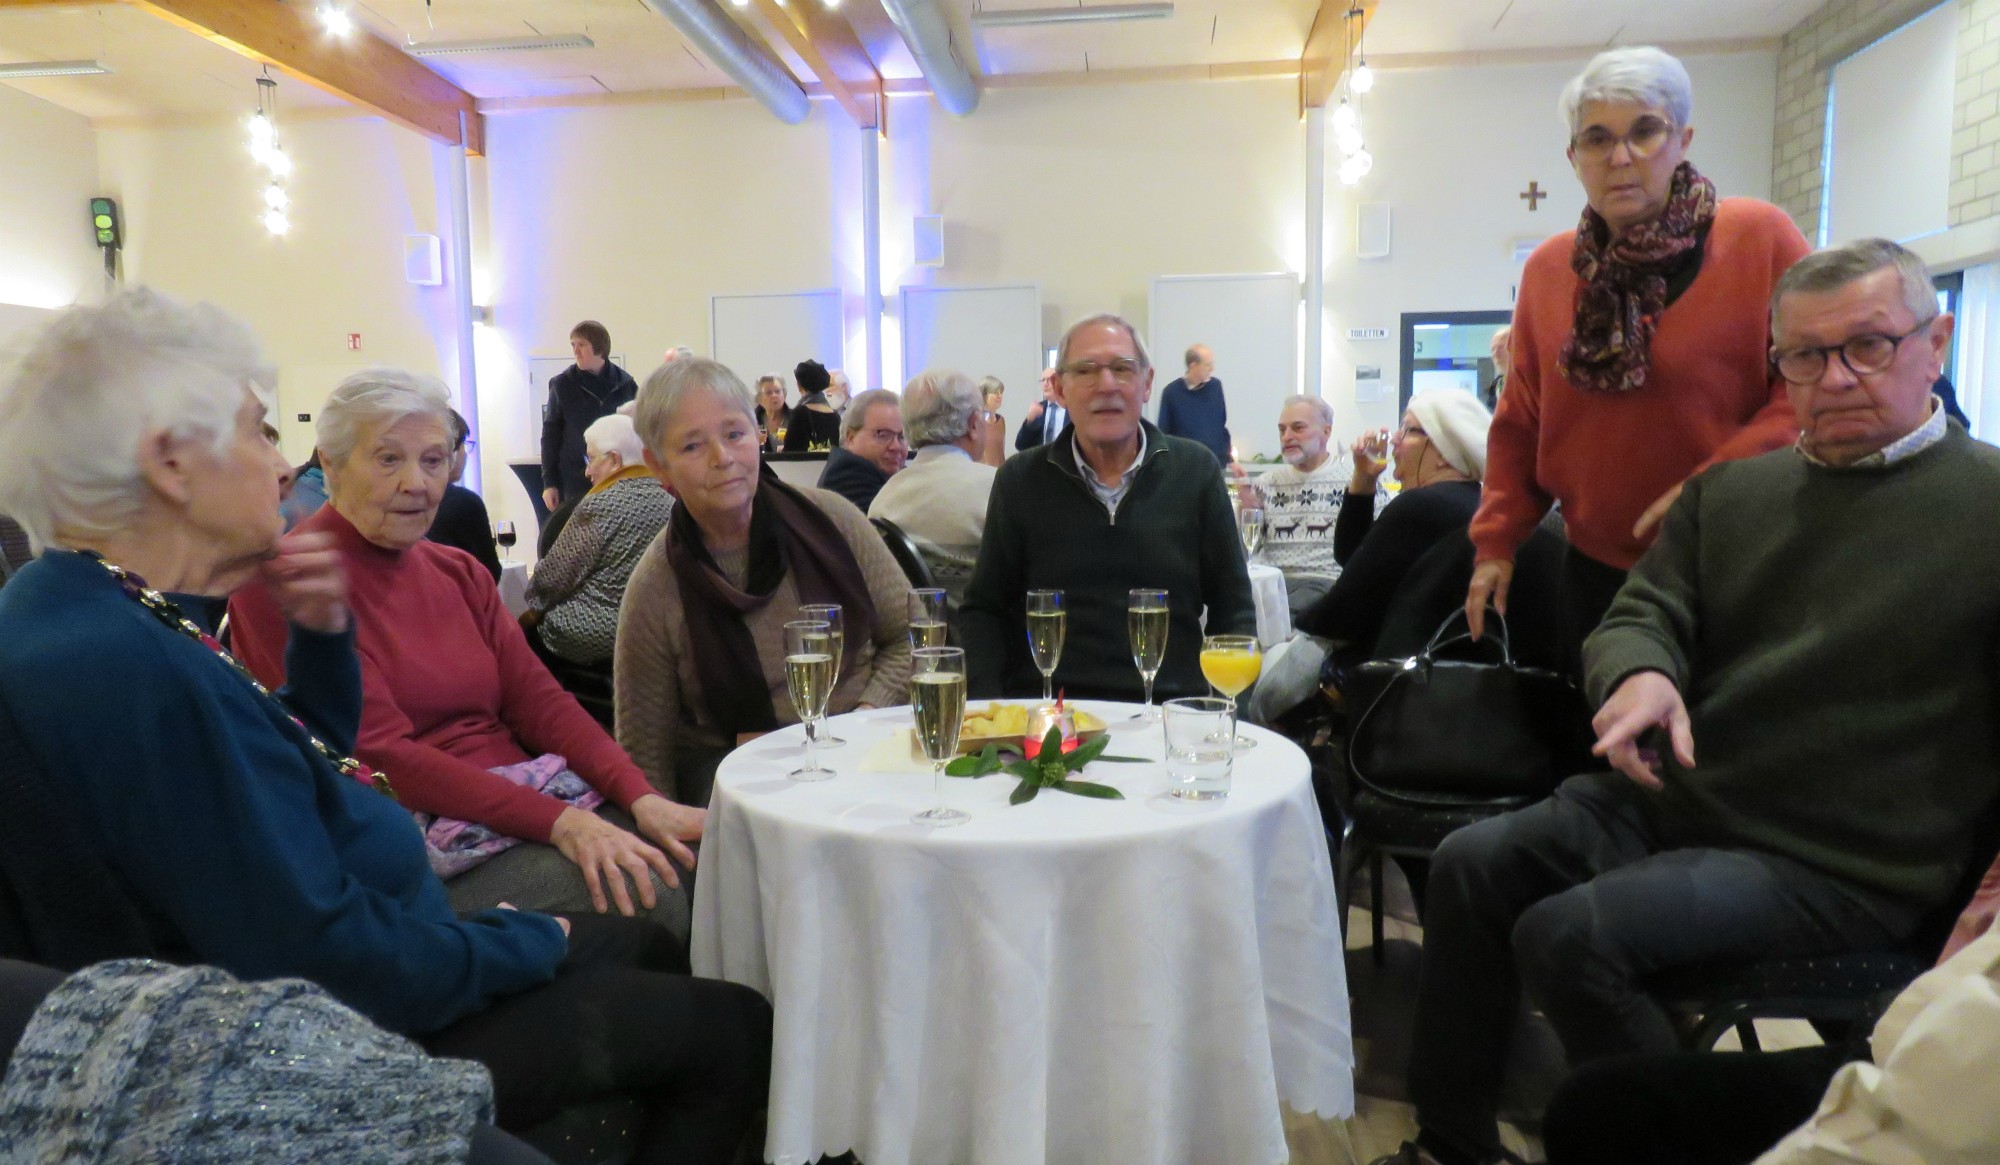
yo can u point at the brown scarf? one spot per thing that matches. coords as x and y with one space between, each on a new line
1624 285
788 535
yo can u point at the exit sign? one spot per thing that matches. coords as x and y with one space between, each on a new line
354 341
1367 333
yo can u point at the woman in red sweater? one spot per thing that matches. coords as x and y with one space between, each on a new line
1640 342
457 710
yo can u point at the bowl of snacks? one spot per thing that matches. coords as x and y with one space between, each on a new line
1006 724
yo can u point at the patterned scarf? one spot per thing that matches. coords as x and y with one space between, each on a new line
788 535
1624 285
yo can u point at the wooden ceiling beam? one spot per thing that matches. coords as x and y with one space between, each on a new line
362 69
827 44
1329 46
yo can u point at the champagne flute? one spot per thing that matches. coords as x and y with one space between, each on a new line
829 613
1250 528
1048 626
927 617
503 533
1146 617
810 672
937 701
1232 663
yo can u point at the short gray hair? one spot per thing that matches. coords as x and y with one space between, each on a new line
615 434
376 398
1836 267
990 385
857 410
89 387
1322 411
1104 317
938 407
670 384
1643 75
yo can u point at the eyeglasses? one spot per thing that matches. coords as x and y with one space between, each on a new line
1642 141
1088 370
887 436
1410 431
1864 355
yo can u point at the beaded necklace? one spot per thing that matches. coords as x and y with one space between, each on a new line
170 614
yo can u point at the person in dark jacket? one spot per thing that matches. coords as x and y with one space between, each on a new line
872 449
461 519
1110 505
593 387
1045 419
813 423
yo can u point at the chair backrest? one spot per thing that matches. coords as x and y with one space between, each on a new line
60 902
904 549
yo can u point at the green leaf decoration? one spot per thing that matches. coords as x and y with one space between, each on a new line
1087 753
1025 792
1027 770
1051 744
987 761
1091 789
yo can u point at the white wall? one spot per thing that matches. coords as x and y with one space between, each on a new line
48 257
1891 134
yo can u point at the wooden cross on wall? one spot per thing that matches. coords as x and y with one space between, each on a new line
1534 194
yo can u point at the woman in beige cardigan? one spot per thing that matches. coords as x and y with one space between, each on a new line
700 666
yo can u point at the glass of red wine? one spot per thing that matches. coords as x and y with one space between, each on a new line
503 533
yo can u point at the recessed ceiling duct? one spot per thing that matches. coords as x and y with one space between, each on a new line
747 61
928 34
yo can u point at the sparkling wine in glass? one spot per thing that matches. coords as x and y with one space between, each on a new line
829 613
937 702
1250 528
927 617
1146 622
503 533
810 673
1232 663
1048 626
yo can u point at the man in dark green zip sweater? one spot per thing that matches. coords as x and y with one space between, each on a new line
1820 626
1110 505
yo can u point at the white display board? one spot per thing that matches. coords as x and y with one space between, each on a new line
1251 323
759 334
980 331
1890 173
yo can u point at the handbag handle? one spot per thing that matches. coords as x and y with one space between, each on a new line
1439 642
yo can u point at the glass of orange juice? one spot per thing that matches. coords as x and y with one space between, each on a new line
1231 664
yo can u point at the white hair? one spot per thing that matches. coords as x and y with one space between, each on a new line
835 378
856 415
1112 319
1321 411
93 383
1642 75
938 407
371 400
614 434
671 383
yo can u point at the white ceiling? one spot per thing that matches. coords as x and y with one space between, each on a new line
162 70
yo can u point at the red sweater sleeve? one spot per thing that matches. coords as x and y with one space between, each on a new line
1511 501
1775 425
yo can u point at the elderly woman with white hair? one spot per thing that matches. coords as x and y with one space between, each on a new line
235 816
573 601
533 803
701 638
1640 349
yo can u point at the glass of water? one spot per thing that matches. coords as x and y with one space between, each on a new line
1201 747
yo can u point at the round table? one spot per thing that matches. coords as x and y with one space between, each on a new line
1070 980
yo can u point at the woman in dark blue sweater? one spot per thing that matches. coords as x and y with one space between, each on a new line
232 815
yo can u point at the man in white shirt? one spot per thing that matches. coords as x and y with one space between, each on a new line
939 499
1301 501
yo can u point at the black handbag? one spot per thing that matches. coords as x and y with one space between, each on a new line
1437 731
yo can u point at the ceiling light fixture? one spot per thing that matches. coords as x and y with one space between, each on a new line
19 69
264 147
1079 15
505 44
337 19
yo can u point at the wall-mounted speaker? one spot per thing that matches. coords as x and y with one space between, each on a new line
1371 231
929 250
423 260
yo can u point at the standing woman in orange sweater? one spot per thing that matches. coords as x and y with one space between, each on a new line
1641 342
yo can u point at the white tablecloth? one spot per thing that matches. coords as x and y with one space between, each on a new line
514 586
1136 982
1274 609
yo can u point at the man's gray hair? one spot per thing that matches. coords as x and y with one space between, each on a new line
1322 411
614 434
1642 75
938 407
1836 267
670 383
1115 320
374 399
856 415
90 386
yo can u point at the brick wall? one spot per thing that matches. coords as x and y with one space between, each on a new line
1844 27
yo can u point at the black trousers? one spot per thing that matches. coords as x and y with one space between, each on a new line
696 1053
1588 588
1686 1108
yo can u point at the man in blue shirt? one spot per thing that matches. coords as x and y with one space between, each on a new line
1193 406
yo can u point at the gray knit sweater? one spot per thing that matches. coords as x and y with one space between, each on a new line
1836 636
